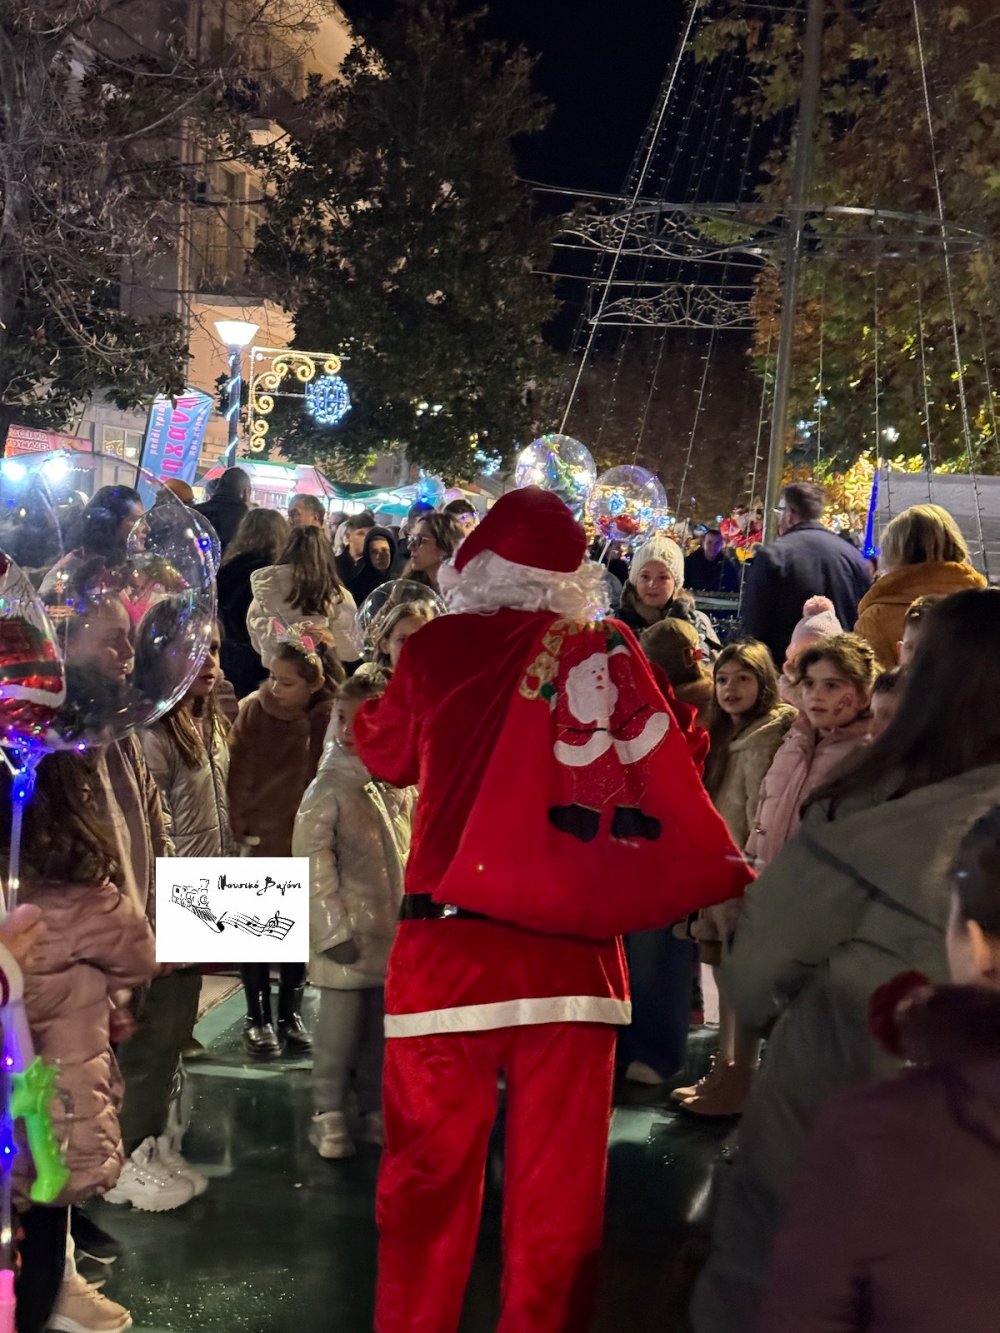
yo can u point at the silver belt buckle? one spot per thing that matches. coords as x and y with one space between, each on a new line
449 909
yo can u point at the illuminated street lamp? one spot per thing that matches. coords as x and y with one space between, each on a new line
235 334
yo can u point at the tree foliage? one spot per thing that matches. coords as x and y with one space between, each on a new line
408 243
875 336
109 110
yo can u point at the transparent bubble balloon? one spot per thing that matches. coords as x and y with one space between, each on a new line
431 490
126 581
374 616
627 504
559 464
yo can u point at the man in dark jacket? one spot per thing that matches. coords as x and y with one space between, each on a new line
806 560
229 504
710 569
349 560
379 561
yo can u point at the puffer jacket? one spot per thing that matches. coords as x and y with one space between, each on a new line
751 754
272 588
142 827
803 762
274 753
882 609
195 798
356 833
97 940
898 1190
858 896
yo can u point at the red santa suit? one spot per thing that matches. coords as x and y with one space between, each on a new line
468 997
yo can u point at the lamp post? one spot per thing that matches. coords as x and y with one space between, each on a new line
235 334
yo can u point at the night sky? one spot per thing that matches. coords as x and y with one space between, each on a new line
600 65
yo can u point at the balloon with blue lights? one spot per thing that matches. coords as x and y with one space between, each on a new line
560 464
628 504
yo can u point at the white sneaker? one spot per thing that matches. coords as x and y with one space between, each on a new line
79 1308
328 1135
146 1183
373 1129
172 1161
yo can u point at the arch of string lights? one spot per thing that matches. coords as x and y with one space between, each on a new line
682 246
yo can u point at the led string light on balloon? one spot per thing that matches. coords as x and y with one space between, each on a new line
161 584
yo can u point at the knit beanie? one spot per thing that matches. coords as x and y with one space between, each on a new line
663 549
818 621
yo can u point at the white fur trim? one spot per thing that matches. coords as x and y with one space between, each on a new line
491 583
510 1014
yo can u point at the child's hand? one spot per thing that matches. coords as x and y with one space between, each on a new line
121 1025
345 953
23 931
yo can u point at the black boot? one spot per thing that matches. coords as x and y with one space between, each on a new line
259 1037
630 822
576 820
291 1029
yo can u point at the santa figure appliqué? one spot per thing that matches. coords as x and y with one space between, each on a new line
558 807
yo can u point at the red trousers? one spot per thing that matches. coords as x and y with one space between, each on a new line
440 1096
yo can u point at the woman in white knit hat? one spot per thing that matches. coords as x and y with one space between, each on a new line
656 574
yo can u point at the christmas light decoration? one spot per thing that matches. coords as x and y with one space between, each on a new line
328 400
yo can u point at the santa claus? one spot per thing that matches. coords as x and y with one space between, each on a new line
557 802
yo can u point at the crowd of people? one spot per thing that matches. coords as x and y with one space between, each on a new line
846 735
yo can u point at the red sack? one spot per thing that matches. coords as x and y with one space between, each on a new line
591 819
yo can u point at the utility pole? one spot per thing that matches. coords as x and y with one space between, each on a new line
812 53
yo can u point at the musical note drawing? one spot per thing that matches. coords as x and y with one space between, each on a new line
276 927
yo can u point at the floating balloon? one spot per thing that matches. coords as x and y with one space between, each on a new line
627 504
559 464
431 490
377 605
125 603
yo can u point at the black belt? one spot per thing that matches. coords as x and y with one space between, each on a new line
422 907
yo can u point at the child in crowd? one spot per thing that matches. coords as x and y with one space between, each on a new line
395 627
188 755
356 832
675 647
303 586
819 621
747 724
96 941
897 1193
913 627
833 682
275 749
886 694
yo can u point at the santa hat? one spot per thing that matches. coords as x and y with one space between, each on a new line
663 549
819 619
529 527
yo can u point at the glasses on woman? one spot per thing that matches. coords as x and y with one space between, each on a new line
415 541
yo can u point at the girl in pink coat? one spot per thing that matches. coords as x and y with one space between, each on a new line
833 681
96 941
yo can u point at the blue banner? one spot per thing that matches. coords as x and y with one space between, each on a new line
174 432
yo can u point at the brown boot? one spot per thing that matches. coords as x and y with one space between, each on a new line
716 1071
727 1097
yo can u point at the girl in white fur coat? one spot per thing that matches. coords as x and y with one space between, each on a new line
356 833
